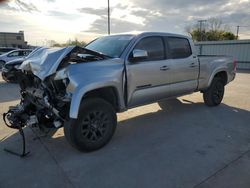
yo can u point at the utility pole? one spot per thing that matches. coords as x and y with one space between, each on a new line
108 19
5 40
201 22
237 35
238 29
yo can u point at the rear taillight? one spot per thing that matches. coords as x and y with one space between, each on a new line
234 64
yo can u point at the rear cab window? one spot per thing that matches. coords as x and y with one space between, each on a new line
178 47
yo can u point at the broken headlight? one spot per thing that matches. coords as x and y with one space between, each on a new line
61 74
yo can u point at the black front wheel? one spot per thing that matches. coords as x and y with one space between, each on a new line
94 127
214 94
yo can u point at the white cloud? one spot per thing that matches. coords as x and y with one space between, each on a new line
62 20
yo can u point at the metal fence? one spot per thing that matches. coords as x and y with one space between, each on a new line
239 49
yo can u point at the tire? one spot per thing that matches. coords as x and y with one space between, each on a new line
94 127
214 94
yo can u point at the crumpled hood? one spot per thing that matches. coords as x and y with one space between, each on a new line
46 62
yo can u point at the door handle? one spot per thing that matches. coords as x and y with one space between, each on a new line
164 68
192 65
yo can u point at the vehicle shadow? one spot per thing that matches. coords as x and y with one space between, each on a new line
172 114
179 134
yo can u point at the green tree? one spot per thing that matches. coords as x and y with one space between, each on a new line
75 43
229 36
68 43
212 30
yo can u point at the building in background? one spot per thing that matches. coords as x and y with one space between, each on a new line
15 40
239 49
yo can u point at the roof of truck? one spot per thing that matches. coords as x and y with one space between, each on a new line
143 33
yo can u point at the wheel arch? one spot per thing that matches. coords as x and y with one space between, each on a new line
222 73
109 93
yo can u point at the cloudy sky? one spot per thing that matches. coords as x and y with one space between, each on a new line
60 20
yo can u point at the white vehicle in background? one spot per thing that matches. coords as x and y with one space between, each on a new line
12 55
4 50
10 69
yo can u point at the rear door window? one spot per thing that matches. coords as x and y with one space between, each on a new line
178 47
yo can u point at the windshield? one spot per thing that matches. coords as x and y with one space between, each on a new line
112 46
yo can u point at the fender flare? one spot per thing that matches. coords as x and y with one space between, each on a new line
81 91
222 69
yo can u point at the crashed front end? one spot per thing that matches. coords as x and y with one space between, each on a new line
43 103
43 80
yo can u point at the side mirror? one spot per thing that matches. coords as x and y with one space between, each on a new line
138 55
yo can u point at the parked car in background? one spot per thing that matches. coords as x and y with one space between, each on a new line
4 50
14 54
10 69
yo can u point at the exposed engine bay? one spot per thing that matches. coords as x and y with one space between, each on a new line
42 102
45 102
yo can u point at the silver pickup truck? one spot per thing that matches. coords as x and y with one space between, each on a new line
82 89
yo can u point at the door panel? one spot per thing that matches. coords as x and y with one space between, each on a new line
185 66
148 79
185 75
147 82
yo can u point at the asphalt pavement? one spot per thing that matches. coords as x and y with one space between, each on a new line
180 143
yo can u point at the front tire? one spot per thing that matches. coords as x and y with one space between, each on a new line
94 127
214 94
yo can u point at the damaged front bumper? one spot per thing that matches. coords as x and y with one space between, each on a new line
46 88
37 108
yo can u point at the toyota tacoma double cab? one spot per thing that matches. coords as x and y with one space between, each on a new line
82 88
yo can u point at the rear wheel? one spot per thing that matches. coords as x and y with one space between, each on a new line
94 127
214 94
